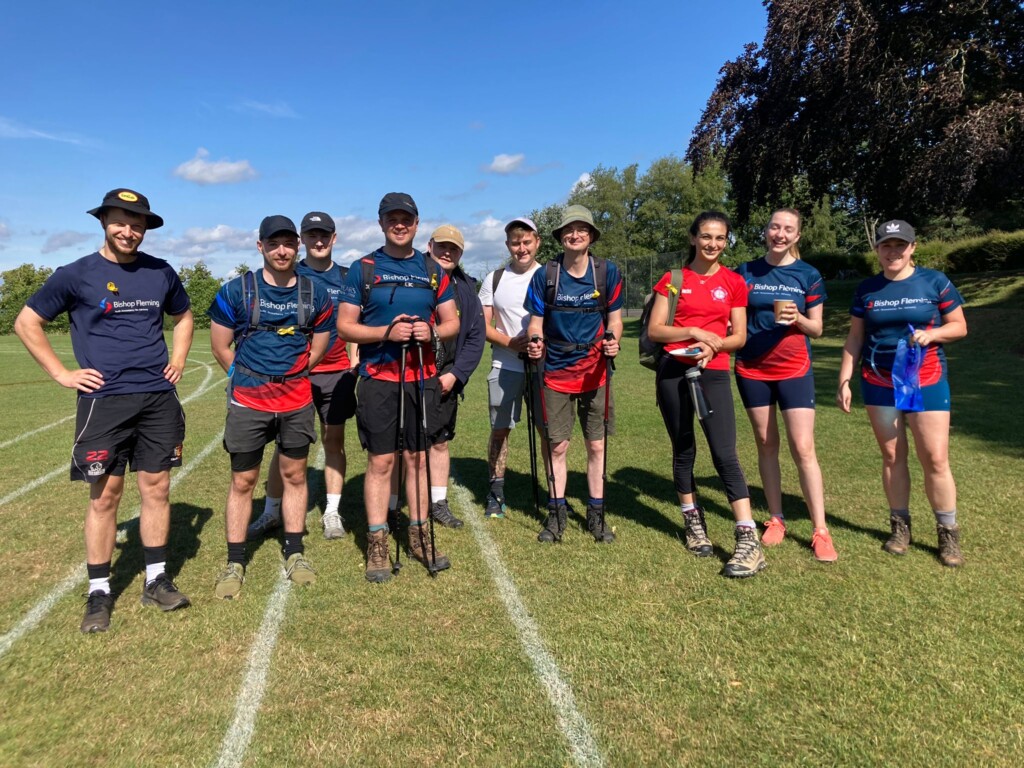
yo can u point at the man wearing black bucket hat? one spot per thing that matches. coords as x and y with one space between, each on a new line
128 410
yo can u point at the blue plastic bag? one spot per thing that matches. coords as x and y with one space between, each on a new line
906 379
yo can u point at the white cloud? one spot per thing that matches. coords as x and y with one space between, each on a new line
506 164
199 170
66 239
277 109
10 129
582 184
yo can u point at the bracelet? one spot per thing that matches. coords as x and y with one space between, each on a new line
844 381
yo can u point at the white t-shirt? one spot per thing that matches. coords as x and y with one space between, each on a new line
510 315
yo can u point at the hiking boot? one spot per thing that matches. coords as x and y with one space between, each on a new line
442 514
298 570
378 559
596 525
821 544
98 606
695 533
748 558
229 582
554 527
419 548
899 541
163 594
495 505
263 525
949 546
333 529
774 532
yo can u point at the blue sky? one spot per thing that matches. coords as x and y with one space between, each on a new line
224 112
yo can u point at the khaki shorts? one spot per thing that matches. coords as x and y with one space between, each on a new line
588 405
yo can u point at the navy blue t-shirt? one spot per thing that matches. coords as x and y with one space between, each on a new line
117 314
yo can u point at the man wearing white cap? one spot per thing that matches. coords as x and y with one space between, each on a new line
457 360
502 295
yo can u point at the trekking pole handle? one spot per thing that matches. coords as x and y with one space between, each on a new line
609 336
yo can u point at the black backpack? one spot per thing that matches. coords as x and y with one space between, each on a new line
251 299
650 351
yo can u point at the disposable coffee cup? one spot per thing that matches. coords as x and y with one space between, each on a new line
780 306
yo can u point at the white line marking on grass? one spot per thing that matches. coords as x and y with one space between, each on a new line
44 606
247 705
571 721
33 484
37 430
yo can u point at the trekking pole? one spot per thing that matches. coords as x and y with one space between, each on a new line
432 568
531 425
552 492
609 368
400 450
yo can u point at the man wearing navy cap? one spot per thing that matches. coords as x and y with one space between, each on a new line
128 410
279 325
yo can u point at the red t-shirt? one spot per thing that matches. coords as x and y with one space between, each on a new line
706 303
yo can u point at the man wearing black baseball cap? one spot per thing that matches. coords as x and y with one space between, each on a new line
332 381
279 325
389 300
128 410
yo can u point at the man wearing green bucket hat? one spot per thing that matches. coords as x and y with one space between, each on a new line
575 304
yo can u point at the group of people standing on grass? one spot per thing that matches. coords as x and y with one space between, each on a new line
393 339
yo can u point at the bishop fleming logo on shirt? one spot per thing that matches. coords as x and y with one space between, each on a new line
889 304
107 306
125 306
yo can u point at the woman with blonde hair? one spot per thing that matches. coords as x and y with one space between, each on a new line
785 303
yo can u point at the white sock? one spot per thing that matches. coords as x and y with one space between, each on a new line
100 585
687 507
393 501
154 570
746 524
273 506
333 500
438 493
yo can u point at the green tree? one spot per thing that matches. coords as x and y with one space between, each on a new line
18 285
241 268
547 219
906 109
202 288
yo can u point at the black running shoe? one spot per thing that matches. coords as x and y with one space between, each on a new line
163 594
442 514
98 606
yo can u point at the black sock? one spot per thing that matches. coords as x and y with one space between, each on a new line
98 570
154 555
498 486
292 544
236 553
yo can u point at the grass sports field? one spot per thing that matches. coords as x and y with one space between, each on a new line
577 654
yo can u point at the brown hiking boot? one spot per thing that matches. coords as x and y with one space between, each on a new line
378 559
748 559
899 540
949 546
419 548
695 533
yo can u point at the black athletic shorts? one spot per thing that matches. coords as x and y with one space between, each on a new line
447 413
143 431
377 415
247 431
334 395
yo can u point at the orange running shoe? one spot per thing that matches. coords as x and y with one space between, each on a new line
821 543
774 532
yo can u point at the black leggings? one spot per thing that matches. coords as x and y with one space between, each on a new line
719 429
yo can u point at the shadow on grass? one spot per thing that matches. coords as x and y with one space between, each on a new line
187 523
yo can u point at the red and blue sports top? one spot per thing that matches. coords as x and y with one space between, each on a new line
888 307
403 288
582 367
775 352
117 315
267 352
705 303
330 280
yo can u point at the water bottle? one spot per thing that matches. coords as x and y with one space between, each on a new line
700 404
